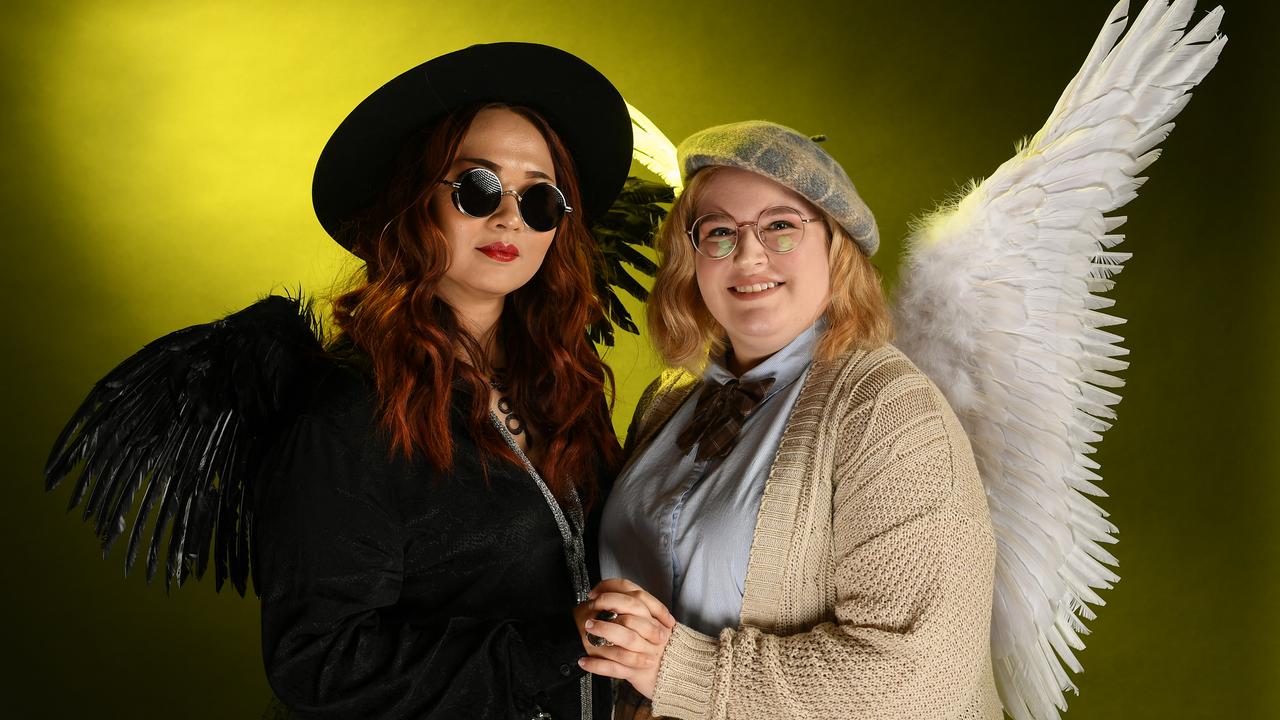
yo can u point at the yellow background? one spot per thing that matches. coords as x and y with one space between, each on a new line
157 160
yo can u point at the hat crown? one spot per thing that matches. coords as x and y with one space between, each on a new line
790 158
586 111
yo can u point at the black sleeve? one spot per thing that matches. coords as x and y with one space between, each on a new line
595 515
330 550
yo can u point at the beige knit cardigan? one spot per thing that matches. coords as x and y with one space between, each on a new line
869 584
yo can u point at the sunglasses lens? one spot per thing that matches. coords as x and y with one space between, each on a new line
542 207
479 192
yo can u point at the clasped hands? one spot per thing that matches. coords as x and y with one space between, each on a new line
637 636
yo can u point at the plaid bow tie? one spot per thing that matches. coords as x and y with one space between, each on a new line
719 415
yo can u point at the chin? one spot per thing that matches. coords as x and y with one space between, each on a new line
505 289
504 281
753 332
772 333
756 324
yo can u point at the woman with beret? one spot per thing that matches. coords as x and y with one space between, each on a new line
807 504
801 495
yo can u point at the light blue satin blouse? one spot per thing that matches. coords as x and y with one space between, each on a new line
682 529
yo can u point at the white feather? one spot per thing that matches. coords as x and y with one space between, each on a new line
998 304
652 149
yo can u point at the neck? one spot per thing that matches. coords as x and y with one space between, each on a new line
747 352
739 361
480 320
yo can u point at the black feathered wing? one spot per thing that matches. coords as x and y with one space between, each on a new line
186 422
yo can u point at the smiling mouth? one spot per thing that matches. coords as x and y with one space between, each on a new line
756 288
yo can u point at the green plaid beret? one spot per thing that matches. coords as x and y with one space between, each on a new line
787 157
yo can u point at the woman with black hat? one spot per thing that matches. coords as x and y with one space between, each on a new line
411 558
413 498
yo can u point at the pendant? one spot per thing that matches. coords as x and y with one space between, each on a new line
514 426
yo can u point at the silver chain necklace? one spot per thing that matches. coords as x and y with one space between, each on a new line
571 531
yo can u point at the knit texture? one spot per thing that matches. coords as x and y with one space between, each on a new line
869 587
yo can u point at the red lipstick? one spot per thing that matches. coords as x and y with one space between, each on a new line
500 251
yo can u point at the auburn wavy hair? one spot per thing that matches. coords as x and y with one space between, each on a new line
683 329
420 353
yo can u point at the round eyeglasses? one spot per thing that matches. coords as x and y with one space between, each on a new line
478 193
780 229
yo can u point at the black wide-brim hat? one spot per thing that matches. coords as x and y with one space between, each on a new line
579 103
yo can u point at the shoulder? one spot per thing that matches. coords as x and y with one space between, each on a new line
670 381
333 450
880 396
876 371
891 412
859 379
658 402
341 391
336 410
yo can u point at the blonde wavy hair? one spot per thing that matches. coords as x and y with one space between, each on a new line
683 330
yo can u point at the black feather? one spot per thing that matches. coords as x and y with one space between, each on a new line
632 222
622 280
619 315
632 257
186 422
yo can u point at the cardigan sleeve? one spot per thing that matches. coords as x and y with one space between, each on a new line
913 558
330 554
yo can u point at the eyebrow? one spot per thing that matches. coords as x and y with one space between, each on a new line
496 167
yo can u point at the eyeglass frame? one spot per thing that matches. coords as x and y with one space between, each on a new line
738 230
457 185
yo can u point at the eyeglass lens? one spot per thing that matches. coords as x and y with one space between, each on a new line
779 229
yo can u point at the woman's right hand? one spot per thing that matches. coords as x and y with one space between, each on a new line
639 612
637 637
653 607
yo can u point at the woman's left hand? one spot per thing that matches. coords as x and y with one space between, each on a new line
638 636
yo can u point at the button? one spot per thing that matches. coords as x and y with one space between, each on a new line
565 670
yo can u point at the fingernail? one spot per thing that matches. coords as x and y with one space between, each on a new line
582 662
589 624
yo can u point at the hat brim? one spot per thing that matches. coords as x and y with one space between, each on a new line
579 103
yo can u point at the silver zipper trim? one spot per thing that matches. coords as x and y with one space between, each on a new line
574 548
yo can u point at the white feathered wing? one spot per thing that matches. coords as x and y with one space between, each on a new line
999 305
651 148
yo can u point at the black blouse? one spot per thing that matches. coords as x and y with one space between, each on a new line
390 590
